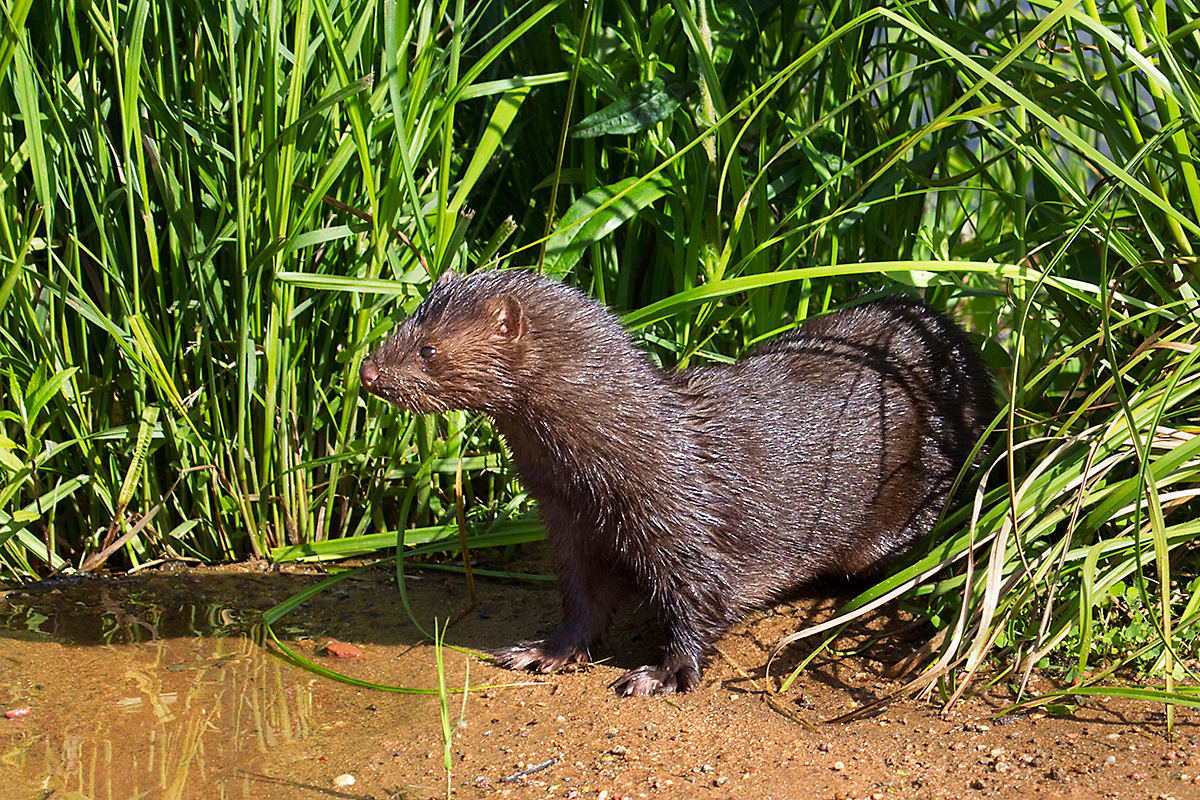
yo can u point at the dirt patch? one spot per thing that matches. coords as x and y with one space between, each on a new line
160 685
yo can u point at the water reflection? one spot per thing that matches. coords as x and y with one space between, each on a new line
92 612
172 719
132 695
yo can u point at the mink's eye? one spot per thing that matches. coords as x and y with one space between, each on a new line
427 352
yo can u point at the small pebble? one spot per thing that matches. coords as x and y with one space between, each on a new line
15 713
336 649
1110 761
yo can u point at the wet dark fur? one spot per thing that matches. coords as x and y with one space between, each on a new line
826 451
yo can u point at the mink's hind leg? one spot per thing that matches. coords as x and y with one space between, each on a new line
692 631
589 600
667 678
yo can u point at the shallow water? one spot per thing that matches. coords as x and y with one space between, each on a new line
161 687
172 716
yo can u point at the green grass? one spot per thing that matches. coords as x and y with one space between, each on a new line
209 212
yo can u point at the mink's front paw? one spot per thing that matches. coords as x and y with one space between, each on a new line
648 680
539 656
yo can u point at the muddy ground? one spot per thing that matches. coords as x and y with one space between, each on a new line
162 685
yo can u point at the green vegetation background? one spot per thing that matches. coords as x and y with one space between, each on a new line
210 211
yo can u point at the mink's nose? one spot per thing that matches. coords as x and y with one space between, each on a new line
368 373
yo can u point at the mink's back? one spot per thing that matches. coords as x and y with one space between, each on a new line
924 359
838 442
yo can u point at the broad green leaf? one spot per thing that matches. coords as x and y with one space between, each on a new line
46 391
325 235
594 216
644 106
8 459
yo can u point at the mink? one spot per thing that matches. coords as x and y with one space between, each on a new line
827 451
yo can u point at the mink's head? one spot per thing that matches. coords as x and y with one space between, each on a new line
461 348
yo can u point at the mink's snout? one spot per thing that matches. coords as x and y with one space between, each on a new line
368 372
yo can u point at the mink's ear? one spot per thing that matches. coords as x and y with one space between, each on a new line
507 316
446 278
